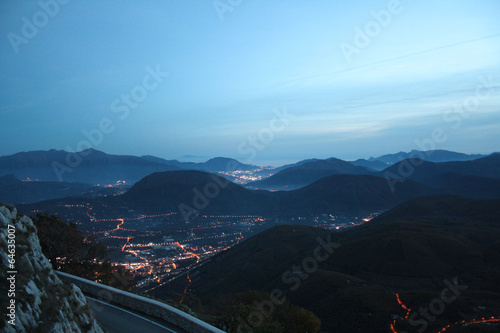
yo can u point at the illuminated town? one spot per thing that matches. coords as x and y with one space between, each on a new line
161 247
245 176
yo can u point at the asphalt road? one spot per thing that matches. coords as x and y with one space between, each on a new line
117 320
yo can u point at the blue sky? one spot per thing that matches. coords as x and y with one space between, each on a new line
349 85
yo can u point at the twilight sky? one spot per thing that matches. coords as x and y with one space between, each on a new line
265 82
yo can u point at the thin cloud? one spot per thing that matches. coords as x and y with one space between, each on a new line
409 55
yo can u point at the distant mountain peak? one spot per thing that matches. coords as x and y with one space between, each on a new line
220 158
300 175
436 155
194 158
88 166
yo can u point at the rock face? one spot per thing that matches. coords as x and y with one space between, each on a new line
35 298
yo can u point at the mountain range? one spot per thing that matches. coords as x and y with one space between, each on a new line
439 155
438 229
95 167
427 172
213 165
193 192
89 166
302 174
313 187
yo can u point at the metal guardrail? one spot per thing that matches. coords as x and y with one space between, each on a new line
141 304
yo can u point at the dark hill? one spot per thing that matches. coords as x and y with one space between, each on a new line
307 173
223 164
9 180
414 249
444 207
260 262
485 167
424 238
352 195
429 172
189 191
267 172
214 165
467 185
197 190
90 166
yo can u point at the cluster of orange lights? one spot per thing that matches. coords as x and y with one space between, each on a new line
190 254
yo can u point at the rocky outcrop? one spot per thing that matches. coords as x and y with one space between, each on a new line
35 298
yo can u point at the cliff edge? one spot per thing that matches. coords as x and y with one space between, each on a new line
34 299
